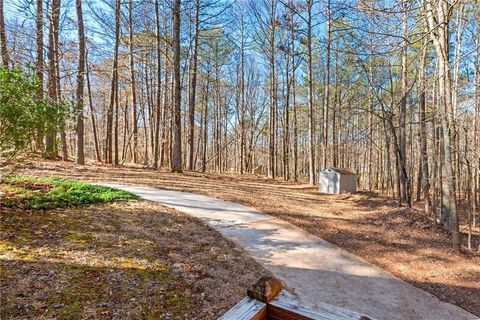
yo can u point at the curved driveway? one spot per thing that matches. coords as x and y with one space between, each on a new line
313 269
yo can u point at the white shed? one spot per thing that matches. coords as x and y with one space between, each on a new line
336 181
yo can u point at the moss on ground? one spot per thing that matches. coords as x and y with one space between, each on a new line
29 192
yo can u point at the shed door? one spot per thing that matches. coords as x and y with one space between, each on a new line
329 182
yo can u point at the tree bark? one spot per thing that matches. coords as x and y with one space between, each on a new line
193 90
404 190
294 107
3 38
311 124
113 89
438 19
326 95
80 157
476 127
158 106
133 84
176 165
92 113
54 20
39 69
423 128
242 94
273 92
286 121
205 120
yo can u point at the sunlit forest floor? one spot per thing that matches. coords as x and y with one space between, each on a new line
122 260
401 240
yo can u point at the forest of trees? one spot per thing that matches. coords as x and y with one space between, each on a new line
389 89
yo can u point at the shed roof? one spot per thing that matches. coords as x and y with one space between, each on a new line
340 171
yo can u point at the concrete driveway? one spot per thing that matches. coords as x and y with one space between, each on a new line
312 269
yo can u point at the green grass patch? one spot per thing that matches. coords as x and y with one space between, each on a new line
28 192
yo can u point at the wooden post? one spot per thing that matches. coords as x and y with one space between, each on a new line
265 289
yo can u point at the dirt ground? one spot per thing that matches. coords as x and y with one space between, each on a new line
124 260
400 240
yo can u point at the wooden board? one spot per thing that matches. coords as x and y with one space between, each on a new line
246 309
285 307
277 313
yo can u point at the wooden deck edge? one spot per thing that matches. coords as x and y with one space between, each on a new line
247 309
286 307
267 301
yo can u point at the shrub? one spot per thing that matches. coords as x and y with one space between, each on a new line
22 114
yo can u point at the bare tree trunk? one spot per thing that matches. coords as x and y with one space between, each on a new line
113 89
133 84
370 109
193 90
39 38
54 20
242 93
164 109
326 95
149 101
470 193
336 101
145 131
39 69
218 112
80 157
294 106
423 128
311 124
404 183
438 22
115 134
3 38
126 132
92 114
476 126
158 108
62 124
273 92
286 120
205 121
176 165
